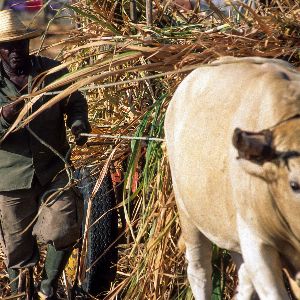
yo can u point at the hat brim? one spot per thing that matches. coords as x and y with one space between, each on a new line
30 34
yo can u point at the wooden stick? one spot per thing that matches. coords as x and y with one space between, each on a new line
149 12
133 13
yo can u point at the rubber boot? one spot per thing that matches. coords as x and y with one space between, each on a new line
13 275
21 284
54 265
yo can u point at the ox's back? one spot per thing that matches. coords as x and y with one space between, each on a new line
249 93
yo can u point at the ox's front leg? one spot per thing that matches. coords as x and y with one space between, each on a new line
198 255
262 263
245 289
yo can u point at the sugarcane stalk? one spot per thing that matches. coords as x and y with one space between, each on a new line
149 12
122 137
133 12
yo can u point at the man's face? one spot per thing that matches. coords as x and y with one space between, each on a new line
15 54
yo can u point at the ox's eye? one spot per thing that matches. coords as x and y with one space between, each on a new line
295 186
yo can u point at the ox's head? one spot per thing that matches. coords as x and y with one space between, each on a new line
274 156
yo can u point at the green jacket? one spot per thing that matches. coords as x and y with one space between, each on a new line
21 155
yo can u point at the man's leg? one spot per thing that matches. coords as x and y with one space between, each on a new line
17 211
59 226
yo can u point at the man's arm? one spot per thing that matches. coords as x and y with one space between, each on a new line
74 106
76 109
8 114
4 125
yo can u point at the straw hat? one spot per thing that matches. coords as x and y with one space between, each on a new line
12 29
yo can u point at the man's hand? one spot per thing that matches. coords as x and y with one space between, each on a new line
77 128
11 111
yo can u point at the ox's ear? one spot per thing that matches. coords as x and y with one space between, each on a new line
256 153
254 146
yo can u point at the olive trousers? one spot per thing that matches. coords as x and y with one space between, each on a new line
28 216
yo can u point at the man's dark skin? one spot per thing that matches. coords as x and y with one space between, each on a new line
16 65
15 61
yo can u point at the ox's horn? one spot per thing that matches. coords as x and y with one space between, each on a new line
255 146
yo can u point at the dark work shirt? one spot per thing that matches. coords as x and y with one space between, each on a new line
21 155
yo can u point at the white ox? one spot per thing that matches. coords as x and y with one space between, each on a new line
239 189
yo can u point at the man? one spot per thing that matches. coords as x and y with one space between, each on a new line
30 168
